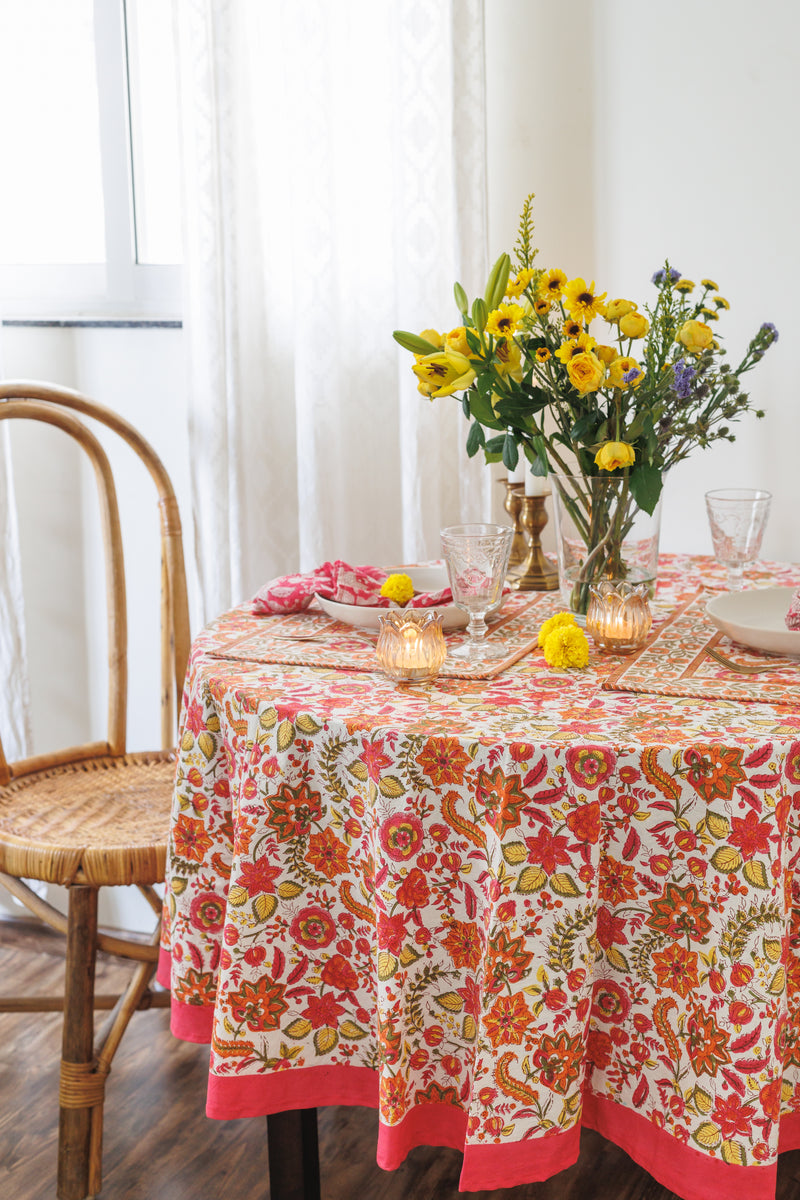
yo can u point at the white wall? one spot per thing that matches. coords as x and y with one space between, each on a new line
655 130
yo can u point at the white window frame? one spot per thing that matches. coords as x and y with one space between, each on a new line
121 288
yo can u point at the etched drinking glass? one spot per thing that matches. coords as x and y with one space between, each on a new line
737 517
477 560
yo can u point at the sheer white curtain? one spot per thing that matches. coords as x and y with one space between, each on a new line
14 693
334 188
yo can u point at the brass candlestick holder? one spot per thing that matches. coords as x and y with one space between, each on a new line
537 573
513 506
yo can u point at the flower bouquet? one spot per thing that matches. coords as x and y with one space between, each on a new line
607 408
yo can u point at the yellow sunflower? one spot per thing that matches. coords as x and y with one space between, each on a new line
582 303
504 320
552 284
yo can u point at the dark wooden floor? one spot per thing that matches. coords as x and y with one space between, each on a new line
160 1146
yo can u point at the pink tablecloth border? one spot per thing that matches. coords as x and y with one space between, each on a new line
676 1166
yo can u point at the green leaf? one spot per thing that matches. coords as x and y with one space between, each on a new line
645 482
480 408
495 445
462 304
510 453
475 439
417 345
584 428
473 341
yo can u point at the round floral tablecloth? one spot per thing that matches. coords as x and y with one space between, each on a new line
496 910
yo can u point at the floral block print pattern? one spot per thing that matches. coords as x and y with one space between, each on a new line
494 911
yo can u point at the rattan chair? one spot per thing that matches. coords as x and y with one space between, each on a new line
95 816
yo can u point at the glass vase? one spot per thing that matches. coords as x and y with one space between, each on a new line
601 533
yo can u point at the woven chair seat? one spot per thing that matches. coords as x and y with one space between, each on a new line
105 818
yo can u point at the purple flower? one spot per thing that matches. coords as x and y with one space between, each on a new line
770 328
629 376
661 275
683 374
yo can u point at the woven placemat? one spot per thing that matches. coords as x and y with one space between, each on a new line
675 662
343 647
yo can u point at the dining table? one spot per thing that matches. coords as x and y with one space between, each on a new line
501 905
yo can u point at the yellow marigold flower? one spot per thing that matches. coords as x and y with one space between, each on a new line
696 336
542 354
720 301
615 454
582 344
586 373
709 283
509 359
398 588
443 374
572 329
555 622
622 366
567 647
619 308
541 306
504 320
552 284
633 325
606 354
684 285
582 302
517 285
456 339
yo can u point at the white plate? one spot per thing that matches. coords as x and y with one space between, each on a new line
757 618
424 579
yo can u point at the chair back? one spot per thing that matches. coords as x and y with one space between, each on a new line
58 407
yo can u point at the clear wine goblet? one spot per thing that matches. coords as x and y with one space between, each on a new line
477 560
737 517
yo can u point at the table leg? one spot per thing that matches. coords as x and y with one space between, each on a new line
293 1155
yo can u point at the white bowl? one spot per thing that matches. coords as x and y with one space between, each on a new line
756 618
424 579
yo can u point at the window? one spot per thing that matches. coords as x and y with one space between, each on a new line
89 207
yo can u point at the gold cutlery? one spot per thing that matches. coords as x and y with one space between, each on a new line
741 669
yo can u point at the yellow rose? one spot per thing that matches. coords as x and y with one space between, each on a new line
695 336
586 372
622 366
618 308
633 325
443 374
613 455
606 354
456 339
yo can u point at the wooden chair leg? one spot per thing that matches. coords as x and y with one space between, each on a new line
293 1155
81 1087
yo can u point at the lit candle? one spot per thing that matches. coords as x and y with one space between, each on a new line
411 646
619 617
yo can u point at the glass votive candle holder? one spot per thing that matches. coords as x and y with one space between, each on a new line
618 617
411 646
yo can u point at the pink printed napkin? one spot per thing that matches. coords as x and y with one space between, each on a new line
336 581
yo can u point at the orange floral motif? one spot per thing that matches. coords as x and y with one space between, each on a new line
680 913
750 835
548 850
676 968
507 1020
714 771
259 1005
392 1100
706 1043
196 987
503 798
617 881
558 1060
293 810
443 760
258 875
190 838
583 822
463 944
507 961
327 853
